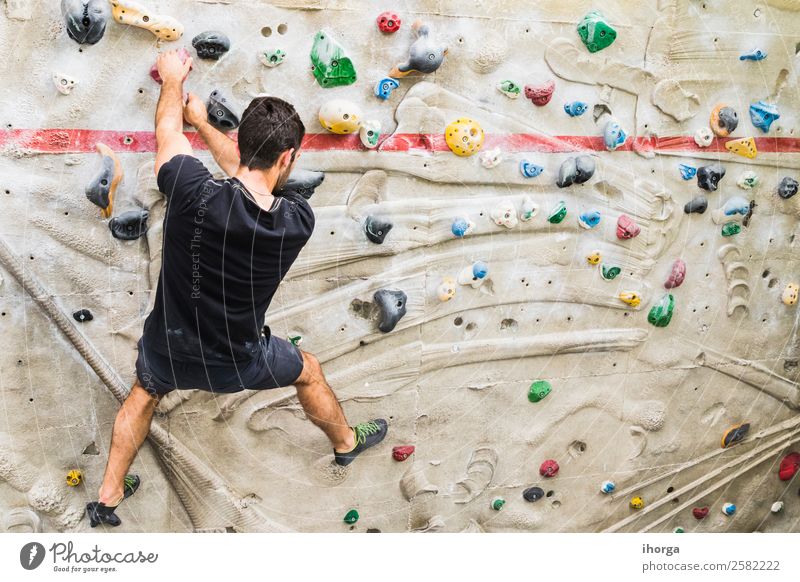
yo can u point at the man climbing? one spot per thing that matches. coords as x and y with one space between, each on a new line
227 245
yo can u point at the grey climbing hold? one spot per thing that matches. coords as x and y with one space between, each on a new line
129 225
86 19
533 494
98 191
376 229
575 170
302 182
82 315
426 54
696 205
392 305
787 188
211 44
708 177
219 114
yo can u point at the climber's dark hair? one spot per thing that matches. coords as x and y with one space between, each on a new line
269 127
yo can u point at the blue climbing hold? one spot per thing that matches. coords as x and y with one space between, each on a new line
762 114
729 509
530 170
384 88
589 219
613 135
687 172
754 55
736 205
607 487
575 108
479 269
461 227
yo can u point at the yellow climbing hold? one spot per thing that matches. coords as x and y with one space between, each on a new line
594 258
130 12
464 137
789 295
340 116
630 298
637 503
74 478
745 147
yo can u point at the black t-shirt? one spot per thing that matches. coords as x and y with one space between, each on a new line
223 258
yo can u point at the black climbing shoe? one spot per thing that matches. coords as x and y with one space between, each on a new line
99 513
367 434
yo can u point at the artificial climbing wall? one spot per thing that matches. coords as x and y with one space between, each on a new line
642 406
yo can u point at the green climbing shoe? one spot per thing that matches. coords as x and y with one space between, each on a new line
367 434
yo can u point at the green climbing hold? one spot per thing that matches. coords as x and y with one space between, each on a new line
351 517
498 503
295 340
609 272
731 228
331 67
539 390
679 530
661 313
595 32
558 213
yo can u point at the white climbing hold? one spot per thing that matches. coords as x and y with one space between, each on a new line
703 137
529 209
504 214
491 158
64 83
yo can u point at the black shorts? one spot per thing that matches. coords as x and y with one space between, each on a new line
279 363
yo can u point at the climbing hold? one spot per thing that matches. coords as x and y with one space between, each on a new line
509 88
762 114
211 44
384 87
219 114
101 190
575 170
498 503
777 507
607 487
351 516
754 55
474 275
74 478
630 298
696 205
687 172
703 137
329 63
533 494
679 529
637 503
731 229
504 214
388 22
295 340
302 182
539 390
700 512
708 177
589 218
575 108
613 135
789 295
82 315
558 213
529 170
723 120
609 273
182 53
540 94
736 205
728 509
661 313
626 227
491 158
134 14
745 147
789 466
593 258
425 55
748 180
462 227
735 434
529 209
402 452
129 225
392 305
787 188
447 289
64 83
86 19
549 468
340 116
376 229
369 133
595 32
272 58
676 275
464 137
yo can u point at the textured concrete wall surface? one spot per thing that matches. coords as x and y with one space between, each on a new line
636 404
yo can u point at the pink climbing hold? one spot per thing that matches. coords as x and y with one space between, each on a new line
540 94
182 53
388 22
402 452
700 512
549 468
789 466
677 275
626 227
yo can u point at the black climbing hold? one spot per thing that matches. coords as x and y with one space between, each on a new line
392 305
575 170
219 115
129 225
376 229
749 215
787 188
83 315
708 177
533 494
698 205
302 182
86 19
99 189
373 530
211 44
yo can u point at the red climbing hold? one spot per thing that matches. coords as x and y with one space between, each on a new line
677 275
700 512
401 453
182 53
789 466
540 94
388 22
549 468
626 227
